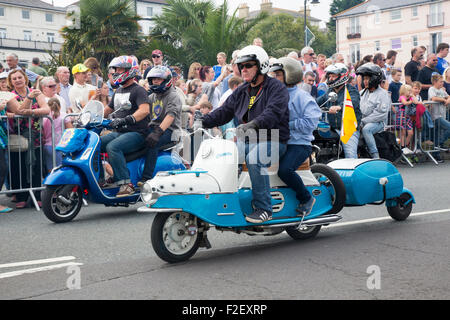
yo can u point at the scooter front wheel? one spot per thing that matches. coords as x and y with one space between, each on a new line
61 203
175 237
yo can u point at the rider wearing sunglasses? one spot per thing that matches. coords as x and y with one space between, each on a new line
261 107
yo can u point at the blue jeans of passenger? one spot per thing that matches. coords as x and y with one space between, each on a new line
257 158
442 130
293 158
152 153
368 131
351 147
117 144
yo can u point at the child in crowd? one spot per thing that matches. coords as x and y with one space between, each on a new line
58 118
182 85
438 94
394 86
402 121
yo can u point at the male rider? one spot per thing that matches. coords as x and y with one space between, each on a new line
260 103
165 106
304 114
337 77
130 121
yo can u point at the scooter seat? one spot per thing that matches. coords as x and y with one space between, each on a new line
142 152
304 166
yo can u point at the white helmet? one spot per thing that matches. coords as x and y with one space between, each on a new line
255 53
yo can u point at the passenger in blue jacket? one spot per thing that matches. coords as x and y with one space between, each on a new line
304 114
261 107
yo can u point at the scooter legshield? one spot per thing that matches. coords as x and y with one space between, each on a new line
64 175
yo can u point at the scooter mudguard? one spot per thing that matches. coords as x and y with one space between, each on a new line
393 202
63 176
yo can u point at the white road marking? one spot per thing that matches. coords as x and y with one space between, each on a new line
26 271
342 224
33 262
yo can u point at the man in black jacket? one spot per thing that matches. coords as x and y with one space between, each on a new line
261 107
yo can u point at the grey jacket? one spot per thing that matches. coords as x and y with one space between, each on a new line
168 103
374 106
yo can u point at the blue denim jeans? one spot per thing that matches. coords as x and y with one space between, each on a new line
442 130
118 144
293 158
152 153
258 159
368 131
351 147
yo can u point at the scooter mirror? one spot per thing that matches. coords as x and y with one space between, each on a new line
332 96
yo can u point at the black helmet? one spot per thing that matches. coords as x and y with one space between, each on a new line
373 71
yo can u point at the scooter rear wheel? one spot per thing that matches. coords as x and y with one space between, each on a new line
175 237
326 175
303 233
57 211
401 211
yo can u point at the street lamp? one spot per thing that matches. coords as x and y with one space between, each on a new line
304 21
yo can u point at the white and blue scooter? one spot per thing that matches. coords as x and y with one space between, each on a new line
212 193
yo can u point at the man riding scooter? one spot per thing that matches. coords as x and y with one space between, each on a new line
261 107
165 106
304 114
337 76
129 123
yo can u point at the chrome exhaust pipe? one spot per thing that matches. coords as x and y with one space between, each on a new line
322 220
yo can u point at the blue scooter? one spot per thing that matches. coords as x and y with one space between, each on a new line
187 203
78 176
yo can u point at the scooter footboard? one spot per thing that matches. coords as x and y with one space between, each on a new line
65 175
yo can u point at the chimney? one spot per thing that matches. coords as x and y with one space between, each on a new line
243 11
266 5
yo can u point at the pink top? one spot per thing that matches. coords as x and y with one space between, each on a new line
47 129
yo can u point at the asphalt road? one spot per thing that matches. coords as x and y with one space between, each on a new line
106 254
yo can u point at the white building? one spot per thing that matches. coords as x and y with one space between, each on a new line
30 28
148 9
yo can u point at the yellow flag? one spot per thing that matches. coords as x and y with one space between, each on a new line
349 123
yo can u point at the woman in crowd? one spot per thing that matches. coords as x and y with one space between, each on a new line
48 87
26 166
194 71
144 65
96 73
209 85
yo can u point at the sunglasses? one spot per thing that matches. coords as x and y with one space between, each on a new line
52 86
155 56
246 65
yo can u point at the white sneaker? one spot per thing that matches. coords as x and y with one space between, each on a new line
406 150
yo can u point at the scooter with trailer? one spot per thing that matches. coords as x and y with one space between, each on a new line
212 194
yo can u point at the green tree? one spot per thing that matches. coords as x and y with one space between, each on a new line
193 30
108 28
282 33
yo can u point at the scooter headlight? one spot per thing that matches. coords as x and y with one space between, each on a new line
148 195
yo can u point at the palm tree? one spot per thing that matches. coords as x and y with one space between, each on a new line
193 30
108 28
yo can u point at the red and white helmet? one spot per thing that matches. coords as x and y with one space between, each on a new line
339 69
131 66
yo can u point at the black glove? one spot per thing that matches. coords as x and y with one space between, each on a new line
243 128
121 122
198 116
153 138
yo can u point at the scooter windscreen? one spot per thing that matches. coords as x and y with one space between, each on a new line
92 113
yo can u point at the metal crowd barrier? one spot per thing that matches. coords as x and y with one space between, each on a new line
425 139
24 156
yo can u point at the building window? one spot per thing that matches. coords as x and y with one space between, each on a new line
377 46
377 17
2 12
50 37
25 15
149 11
415 41
396 43
354 25
396 14
2 33
414 12
436 38
355 54
49 17
436 17
27 35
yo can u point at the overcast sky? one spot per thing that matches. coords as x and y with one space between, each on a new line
320 11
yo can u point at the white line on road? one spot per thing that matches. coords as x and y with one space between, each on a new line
33 262
342 224
21 272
